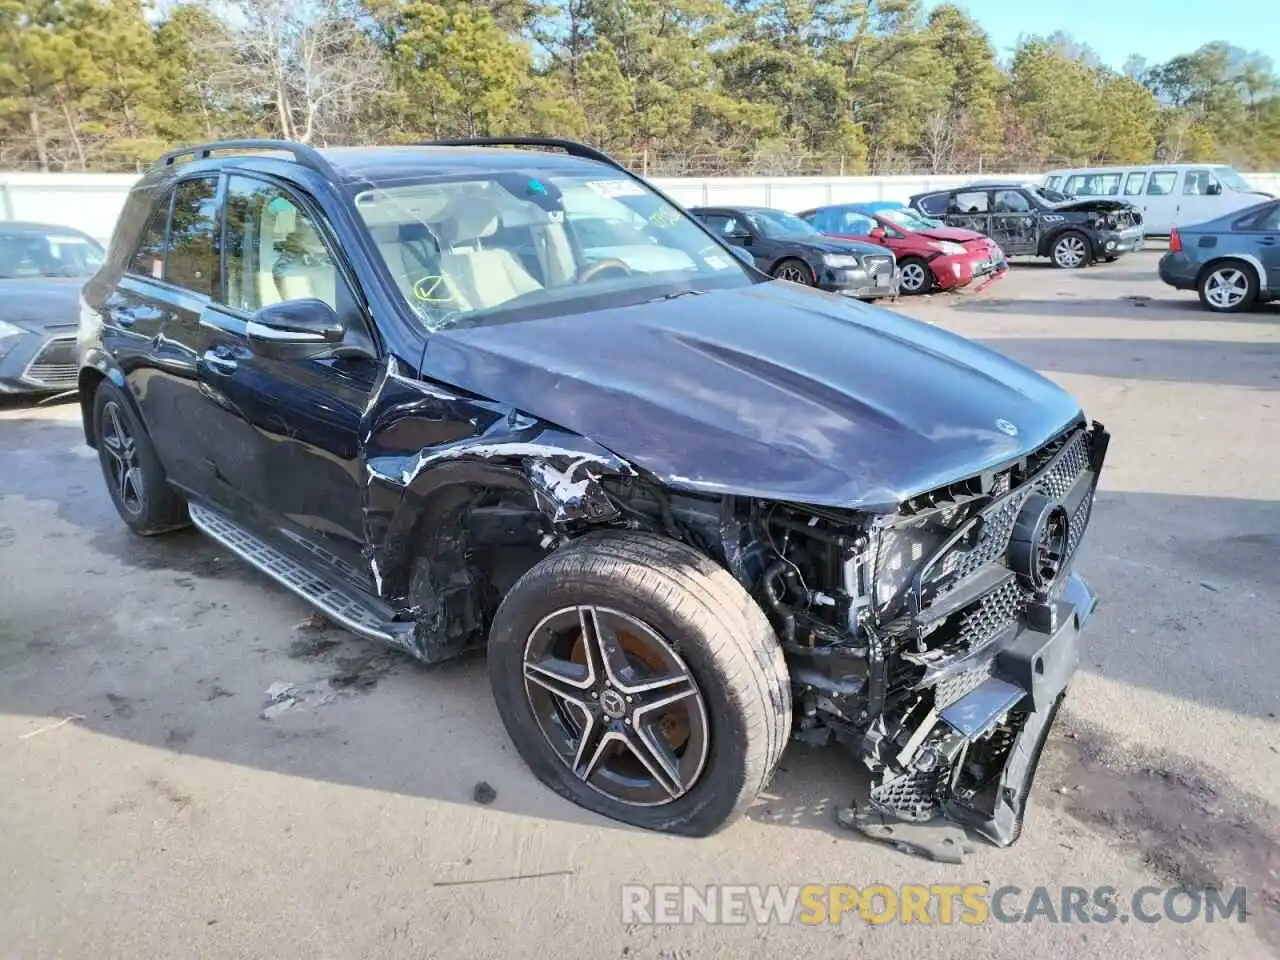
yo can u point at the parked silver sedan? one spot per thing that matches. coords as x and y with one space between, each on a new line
1233 261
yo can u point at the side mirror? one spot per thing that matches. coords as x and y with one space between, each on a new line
877 234
1214 189
296 321
744 255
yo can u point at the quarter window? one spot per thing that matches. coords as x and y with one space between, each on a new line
935 204
1161 183
192 261
1133 184
148 259
1270 220
274 252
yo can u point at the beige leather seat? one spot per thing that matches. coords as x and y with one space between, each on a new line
482 277
304 269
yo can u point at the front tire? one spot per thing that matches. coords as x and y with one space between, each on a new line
639 679
795 271
916 277
1070 251
135 479
1228 287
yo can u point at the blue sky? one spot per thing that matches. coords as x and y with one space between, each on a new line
1155 29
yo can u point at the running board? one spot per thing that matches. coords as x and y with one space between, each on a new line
352 609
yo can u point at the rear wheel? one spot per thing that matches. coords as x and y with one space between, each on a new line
135 478
639 679
917 278
1229 287
1070 250
796 271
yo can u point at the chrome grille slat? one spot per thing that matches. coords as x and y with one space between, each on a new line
54 365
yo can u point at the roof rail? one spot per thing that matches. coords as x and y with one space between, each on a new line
571 147
302 153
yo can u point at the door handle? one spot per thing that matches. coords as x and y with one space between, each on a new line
1268 241
219 363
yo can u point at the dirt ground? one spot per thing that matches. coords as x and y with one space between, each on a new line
170 819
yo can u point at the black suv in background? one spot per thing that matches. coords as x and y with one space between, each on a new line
1029 221
459 395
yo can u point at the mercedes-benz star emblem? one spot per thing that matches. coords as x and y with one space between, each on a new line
613 704
1006 427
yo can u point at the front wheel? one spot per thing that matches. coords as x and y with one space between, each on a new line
916 277
639 679
1070 251
1230 287
796 272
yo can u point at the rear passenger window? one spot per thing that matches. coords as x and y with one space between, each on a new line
934 204
1133 184
1161 183
192 261
148 259
970 202
274 250
1012 201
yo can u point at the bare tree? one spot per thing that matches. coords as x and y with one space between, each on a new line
938 140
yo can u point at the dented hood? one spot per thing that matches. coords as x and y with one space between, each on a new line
1096 205
771 391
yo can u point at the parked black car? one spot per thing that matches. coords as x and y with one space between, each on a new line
1028 221
789 248
1233 262
690 510
42 268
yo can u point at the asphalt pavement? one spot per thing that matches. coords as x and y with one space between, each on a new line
148 809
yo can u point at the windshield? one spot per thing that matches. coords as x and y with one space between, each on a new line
1048 195
775 224
30 253
465 252
1232 179
905 218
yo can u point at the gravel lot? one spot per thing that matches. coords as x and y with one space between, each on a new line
169 820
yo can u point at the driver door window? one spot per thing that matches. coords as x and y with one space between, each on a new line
274 252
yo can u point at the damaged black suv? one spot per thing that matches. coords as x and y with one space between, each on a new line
460 395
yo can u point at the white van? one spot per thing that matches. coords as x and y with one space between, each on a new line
1167 195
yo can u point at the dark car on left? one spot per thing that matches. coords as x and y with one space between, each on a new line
789 248
42 268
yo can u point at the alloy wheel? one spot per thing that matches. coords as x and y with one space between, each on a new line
794 273
1226 288
124 470
1070 252
617 704
913 278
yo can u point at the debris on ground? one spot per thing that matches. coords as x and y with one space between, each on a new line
315 623
280 697
60 723
274 710
484 794
313 646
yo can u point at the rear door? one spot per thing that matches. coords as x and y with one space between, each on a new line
970 209
287 415
1013 222
1160 202
1265 233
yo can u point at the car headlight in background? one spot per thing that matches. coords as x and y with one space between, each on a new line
843 260
947 247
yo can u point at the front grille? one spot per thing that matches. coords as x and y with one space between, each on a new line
912 796
951 689
55 365
878 264
983 621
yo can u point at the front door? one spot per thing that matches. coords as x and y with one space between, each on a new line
1014 223
1160 203
1196 201
288 415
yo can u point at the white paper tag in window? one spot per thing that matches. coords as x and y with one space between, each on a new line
616 188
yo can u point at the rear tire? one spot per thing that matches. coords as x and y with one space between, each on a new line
1228 287
916 277
135 479
713 632
1070 250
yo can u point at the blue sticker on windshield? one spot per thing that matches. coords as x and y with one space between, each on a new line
537 188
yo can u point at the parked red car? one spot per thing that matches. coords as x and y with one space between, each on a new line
930 257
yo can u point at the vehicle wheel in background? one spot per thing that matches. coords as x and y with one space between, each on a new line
639 679
135 478
796 271
1229 287
1070 250
916 277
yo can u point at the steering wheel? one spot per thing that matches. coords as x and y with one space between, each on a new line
593 270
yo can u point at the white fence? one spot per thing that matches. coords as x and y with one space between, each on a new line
92 202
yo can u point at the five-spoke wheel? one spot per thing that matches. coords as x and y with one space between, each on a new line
1229 288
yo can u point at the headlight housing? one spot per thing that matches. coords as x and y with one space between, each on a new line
9 330
947 247
843 260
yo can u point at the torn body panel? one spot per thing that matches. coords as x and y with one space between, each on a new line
462 496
